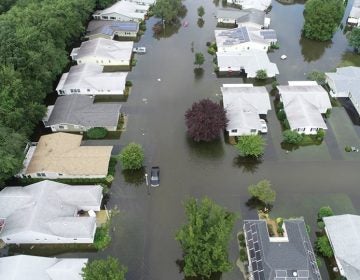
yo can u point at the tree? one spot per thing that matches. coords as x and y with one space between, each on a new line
317 76
325 211
323 246
97 133
322 18
109 269
201 11
199 59
292 137
205 120
205 238
132 157
261 74
354 39
102 4
251 145
263 192
167 10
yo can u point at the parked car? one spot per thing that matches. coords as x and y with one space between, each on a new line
155 176
139 50
264 128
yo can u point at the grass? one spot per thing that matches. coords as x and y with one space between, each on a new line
350 59
102 236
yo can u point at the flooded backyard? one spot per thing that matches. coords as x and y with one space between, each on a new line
164 87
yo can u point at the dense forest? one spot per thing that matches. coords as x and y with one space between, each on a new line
34 35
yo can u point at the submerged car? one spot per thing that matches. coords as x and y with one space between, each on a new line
264 128
155 176
139 50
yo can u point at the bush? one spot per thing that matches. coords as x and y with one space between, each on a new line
132 157
243 255
102 236
317 76
97 133
285 124
320 135
281 115
328 113
211 51
292 137
261 74
347 148
251 145
325 211
323 246
275 46
274 84
321 225
128 83
105 269
133 62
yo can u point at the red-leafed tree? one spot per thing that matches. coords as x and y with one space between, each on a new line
205 120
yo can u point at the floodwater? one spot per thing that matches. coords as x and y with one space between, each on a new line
165 86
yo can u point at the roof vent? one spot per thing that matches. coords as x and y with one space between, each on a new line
295 274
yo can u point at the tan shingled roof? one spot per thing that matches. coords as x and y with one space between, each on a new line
62 153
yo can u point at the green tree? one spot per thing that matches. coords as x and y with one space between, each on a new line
205 238
199 59
263 192
354 39
108 269
323 246
251 145
201 11
317 76
167 10
261 74
292 137
325 211
101 4
132 157
322 18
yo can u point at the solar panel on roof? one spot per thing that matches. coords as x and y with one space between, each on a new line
256 246
258 255
303 273
280 273
254 266
255 237
256 276
262 275
252 253
250 244
260 266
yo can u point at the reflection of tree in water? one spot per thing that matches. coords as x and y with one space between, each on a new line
134 177
216 2
199 73
211 150
247 164
181 264
200 22
254 203
161 31
313 50
289 147
290 2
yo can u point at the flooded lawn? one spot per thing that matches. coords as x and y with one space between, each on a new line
164 87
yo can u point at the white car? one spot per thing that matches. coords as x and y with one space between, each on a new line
139 50
264 128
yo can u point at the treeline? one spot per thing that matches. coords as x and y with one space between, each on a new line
34 35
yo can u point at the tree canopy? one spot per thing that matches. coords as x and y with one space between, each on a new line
251 145
354 38
205 120
199 59
263 192
205 238
132 157
201 11
322 18
167 10
108 269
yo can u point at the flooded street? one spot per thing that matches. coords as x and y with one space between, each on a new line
144 230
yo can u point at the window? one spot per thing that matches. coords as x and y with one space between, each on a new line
112 17
78 90
38 174
253 130
61 126
88 89
234 130
60 174
71 90
42 174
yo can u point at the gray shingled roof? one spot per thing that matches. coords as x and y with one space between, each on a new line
276 259
81 110
49 208
344 233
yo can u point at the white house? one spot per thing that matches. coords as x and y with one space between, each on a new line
261 5
345 83
89 79
246 61
60 155
244 38
304 103
77 113
251 17
22 267
354 16
48 213
343 232
103 52
123 11
109 29
143 2
244 104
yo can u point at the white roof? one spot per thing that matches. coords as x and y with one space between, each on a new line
355 10
256 4
344 234
24 267
251 61
91 76
105 49
346 79
129 9
243 106
49 208
304 103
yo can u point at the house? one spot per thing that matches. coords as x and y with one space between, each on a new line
354 16
248 62
244 104
304 103
345 83
89 79
288 257
75 113
23 267
103 52
261 5
143 2
343 232
60 155
251 17
244 38
109 29
123 11
48 212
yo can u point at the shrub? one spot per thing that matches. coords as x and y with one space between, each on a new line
128 83
320 135
328 113
261 74
285 124
317 76
97 133
281 115
323 246
292 137
211 50
274 84
321 225
102 237
243 255
107 269
132 157
325 211
133 62
275 46
263 192
251 145
347 148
